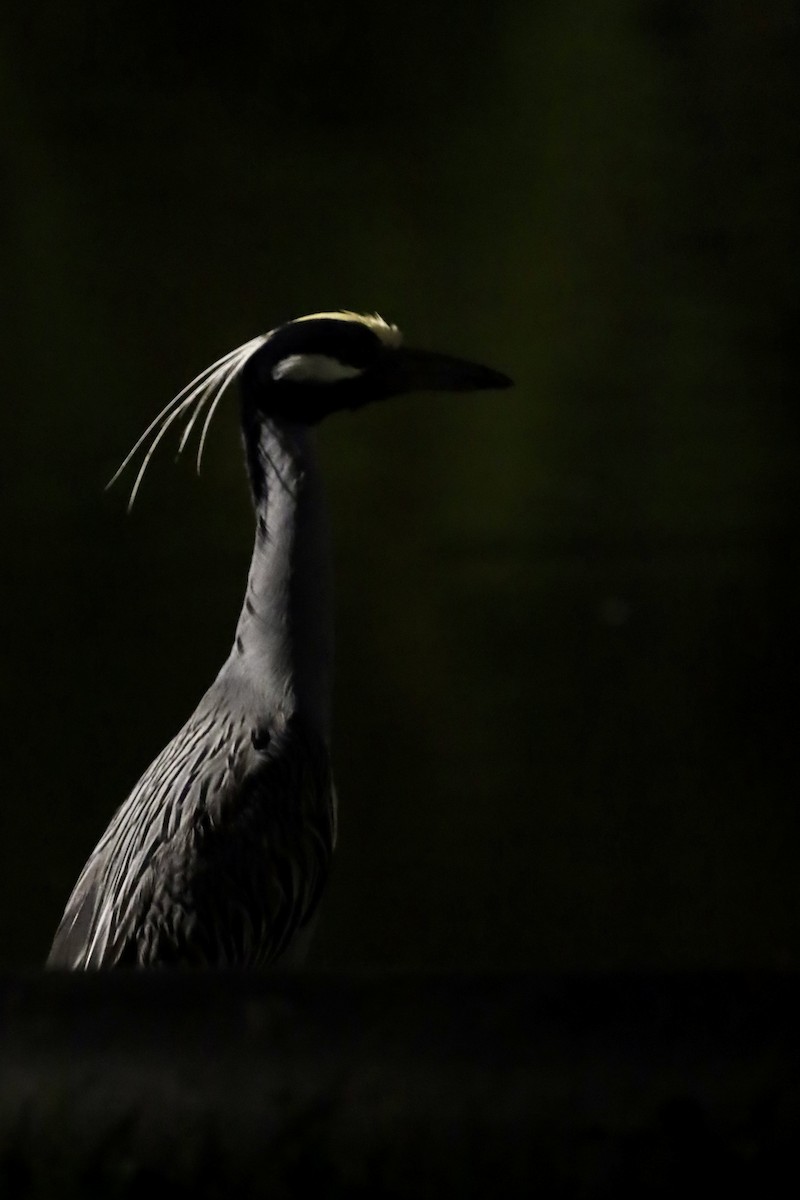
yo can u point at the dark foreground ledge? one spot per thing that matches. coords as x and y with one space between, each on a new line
468 1086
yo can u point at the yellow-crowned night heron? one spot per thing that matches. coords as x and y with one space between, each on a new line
219 854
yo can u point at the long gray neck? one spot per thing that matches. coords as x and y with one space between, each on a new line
283 650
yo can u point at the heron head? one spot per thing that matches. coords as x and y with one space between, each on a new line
326 362
304 370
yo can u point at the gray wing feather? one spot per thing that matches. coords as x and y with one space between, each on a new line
218 856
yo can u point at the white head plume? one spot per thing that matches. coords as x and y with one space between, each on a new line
208 388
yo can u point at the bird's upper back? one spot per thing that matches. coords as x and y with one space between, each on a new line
217 856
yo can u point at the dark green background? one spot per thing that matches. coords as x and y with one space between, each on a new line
565 710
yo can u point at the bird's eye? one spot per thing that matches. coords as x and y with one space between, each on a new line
313 368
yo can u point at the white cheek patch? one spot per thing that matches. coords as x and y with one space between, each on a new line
313 368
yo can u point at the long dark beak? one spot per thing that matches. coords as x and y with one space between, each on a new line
427 371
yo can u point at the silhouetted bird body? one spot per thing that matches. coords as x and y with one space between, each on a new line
219 855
